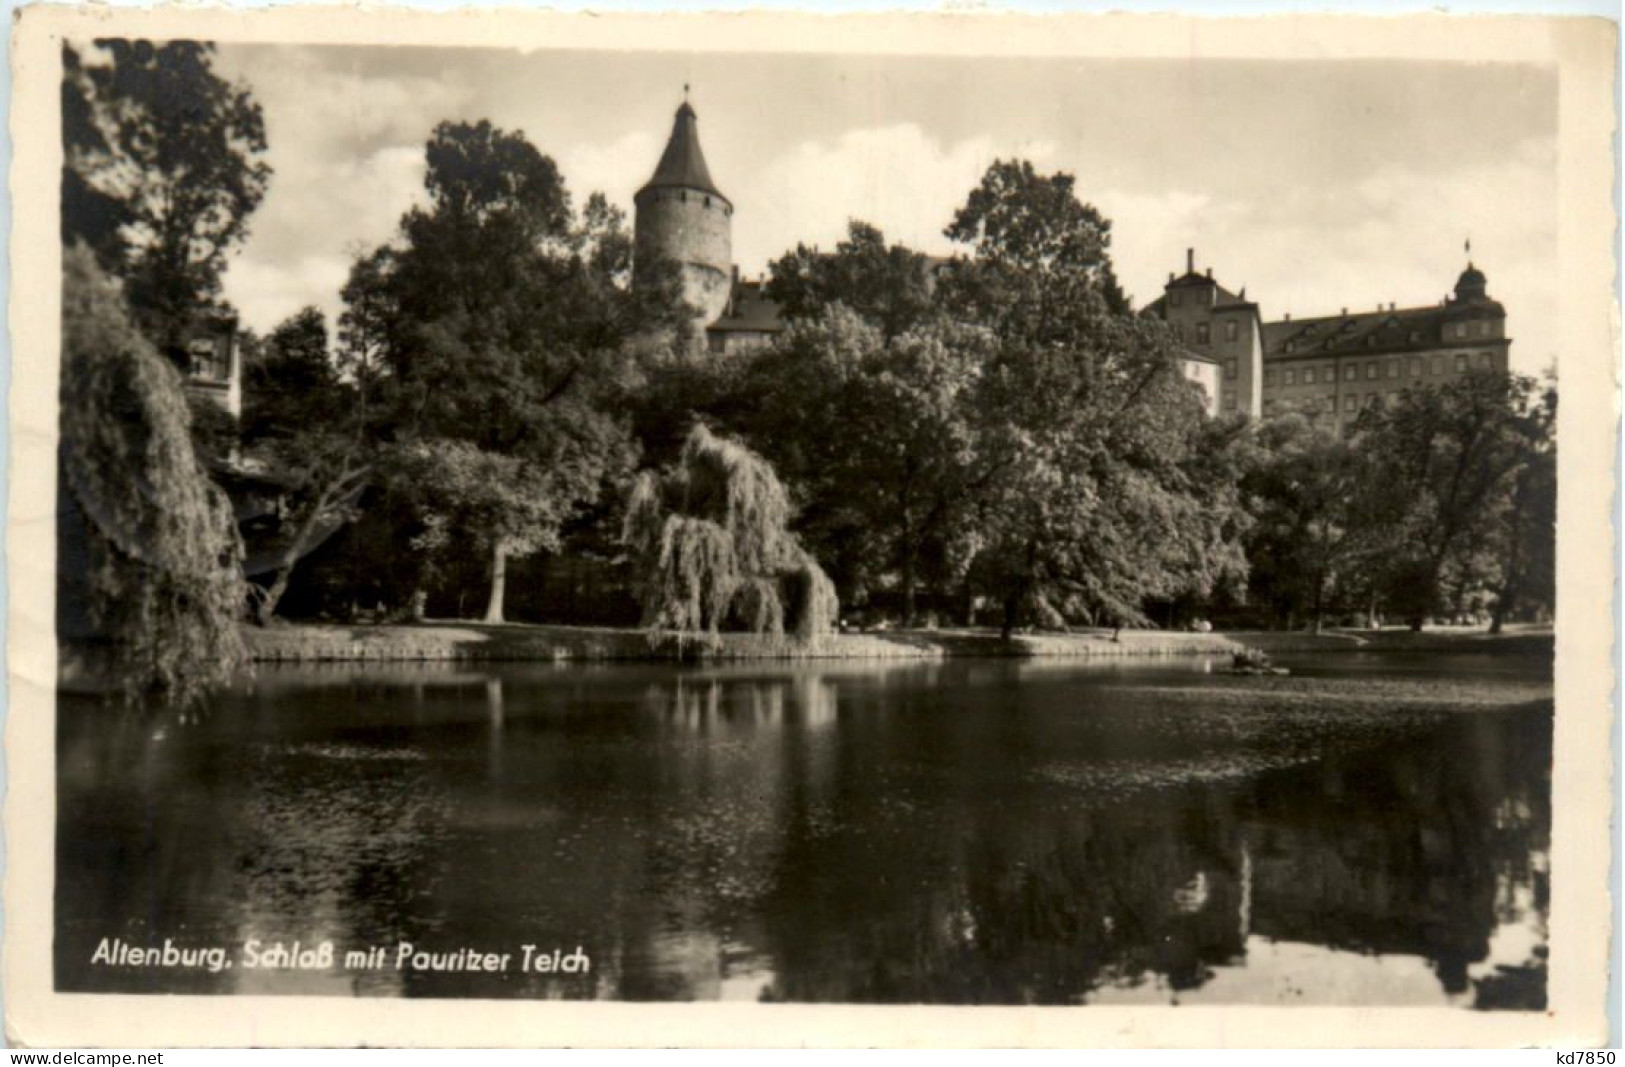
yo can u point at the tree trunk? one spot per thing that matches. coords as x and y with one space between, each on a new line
419 604
1012 604
908 591
265 609
1320 602
499 583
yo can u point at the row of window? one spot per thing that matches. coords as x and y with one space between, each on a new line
1374 369
1204 332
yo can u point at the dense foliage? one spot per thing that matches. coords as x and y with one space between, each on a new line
151 558
161 170
711 547
993 437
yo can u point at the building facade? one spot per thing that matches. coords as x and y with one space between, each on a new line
1331 367
1222 335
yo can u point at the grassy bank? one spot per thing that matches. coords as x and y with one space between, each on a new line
465 641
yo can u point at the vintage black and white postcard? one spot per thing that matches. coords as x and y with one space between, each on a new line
793 529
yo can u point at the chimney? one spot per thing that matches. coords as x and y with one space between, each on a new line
1190 261
1288 317
1210 272
1170 277
1345 312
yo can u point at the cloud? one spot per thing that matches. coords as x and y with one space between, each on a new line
1394 236
897 177
346 154
617 169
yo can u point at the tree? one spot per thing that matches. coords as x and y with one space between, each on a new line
501 321
505 505
1310 536
306 429
837 406
888 285
711 546
1039 272
161 172
1528 545
1444 460
1104 487
149 554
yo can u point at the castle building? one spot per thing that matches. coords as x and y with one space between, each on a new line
1330 367
1333 366
1222 334
681 217
211 365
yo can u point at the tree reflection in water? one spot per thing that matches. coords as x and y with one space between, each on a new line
953 833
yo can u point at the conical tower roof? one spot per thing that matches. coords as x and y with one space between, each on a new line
682 164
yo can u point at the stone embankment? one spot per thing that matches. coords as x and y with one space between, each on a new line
463 641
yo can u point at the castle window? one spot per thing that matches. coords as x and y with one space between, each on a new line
1416 367
1461 363
209 360
1370 372
1231 330
1350 402
1308 376
1350 372
1416 337
1291 377
1229 368
1393 368
1486 360
1461 329
1438 366
1230 401
1203 333
1269 377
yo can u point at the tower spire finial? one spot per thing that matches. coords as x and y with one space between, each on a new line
685 92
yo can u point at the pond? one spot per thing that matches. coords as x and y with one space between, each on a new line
1372 830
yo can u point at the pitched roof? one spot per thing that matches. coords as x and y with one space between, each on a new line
749 311
682 164
1384 330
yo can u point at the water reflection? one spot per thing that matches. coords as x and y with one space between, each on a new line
959 832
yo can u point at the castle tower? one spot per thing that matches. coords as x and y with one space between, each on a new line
682 217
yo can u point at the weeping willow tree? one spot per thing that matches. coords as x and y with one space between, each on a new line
149 576
711 549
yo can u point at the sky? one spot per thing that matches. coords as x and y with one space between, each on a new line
1318 185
